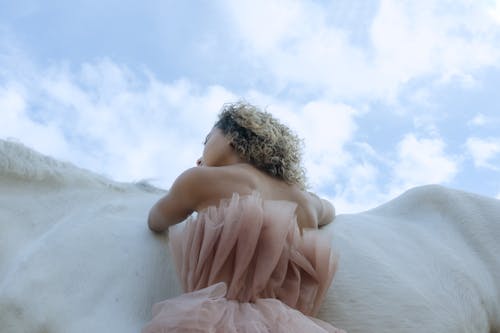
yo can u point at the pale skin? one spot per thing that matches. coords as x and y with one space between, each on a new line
219 173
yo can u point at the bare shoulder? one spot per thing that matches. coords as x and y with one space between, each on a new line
181 200
200 175
205 186
195 189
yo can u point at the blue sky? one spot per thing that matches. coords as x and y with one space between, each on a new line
386 94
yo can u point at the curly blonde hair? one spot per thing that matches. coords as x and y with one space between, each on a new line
261 140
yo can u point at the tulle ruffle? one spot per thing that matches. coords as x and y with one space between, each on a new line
245 267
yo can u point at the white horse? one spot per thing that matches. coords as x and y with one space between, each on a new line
427 261
76 256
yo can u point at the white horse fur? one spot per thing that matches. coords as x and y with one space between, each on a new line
76 256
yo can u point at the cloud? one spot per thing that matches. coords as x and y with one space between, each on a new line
298 44
330 75
372 177
421 161
129 125
338 167
16 123
481 120
478 120
483 151
106 118
494 11
360 190
326 128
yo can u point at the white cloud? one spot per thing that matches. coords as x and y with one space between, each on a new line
298 44
129 126
132 126
494 10
361 191
483 151
481 120
16 123
324 126
478 120
108 119
327 129
421 161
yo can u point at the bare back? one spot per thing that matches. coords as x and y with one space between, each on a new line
200 187
244 179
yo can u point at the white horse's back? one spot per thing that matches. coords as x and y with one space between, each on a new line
428 261
76 256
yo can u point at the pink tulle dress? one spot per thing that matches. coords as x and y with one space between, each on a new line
245 267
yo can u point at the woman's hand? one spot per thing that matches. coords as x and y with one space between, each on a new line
328 212
324 209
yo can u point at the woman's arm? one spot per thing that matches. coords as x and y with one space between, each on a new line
177 204
328 212
324 209
195 188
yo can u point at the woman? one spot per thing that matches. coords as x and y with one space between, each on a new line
252 260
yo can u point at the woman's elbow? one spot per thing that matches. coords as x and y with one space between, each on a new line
155 221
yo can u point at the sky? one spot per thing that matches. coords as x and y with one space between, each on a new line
387 95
